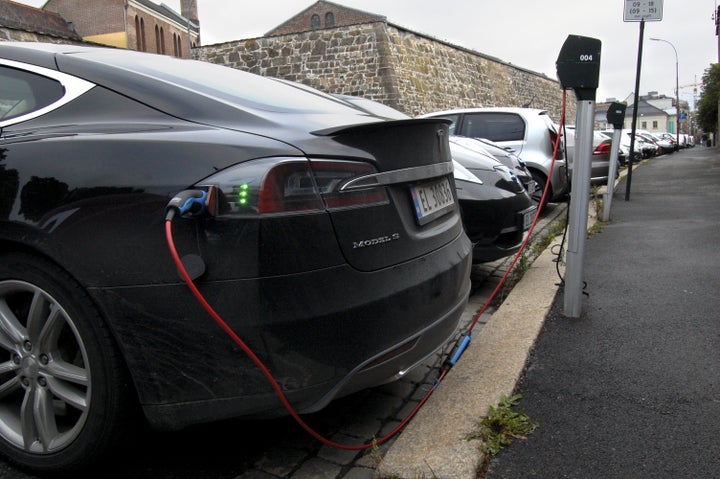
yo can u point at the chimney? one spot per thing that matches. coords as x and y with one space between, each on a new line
188 9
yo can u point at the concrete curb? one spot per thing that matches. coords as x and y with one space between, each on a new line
434 443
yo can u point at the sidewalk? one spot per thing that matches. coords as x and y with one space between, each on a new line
630 389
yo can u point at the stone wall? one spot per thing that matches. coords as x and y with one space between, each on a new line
434 75
335 60
11 34
411 72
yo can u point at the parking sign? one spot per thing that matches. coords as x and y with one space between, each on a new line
638 10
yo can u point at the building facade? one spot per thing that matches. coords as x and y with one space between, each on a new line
140 25
657 113
346 51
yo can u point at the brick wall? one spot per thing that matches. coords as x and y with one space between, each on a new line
160 36
90 17
340 16
411 72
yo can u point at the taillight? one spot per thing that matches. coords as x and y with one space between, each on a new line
602 149
286 185
330 175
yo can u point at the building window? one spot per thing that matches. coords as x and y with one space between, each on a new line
177 45
643 125
315 22
162 40
157 39
329 20
655 125
143 44
138 44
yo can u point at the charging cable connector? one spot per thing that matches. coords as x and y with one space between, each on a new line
192 202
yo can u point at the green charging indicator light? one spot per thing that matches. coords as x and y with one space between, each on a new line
242 194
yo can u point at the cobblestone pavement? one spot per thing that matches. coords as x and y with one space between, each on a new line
280 449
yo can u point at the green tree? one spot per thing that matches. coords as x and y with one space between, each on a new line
707 108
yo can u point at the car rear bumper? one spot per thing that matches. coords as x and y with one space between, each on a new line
322 334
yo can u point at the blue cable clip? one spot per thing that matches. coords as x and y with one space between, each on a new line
459 349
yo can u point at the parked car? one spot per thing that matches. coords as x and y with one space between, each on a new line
624 153
496 208
650 149
529 133
664 146
600 155
507 158
331 242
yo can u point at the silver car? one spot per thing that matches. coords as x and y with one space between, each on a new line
529 133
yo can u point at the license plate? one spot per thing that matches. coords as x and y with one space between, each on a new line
531 187
432 200
528 218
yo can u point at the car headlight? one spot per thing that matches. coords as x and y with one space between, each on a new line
462 173
507 174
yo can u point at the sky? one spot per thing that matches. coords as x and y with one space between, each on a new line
526 33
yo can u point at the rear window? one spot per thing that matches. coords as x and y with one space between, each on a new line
494 126
223 83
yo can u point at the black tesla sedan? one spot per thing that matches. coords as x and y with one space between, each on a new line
329 240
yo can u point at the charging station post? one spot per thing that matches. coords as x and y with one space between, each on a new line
578 68
616 117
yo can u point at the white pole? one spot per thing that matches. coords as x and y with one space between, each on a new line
607 201
579 203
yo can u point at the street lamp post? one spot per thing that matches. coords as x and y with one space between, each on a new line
677 88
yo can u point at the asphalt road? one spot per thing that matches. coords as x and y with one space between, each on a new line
631 389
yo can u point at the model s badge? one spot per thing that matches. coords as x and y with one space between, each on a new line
376 241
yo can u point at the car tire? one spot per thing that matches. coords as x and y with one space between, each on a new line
65 399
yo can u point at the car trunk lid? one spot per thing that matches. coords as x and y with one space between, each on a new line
419 213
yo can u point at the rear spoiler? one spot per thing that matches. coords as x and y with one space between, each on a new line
359 127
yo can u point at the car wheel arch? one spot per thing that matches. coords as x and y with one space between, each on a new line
22 264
